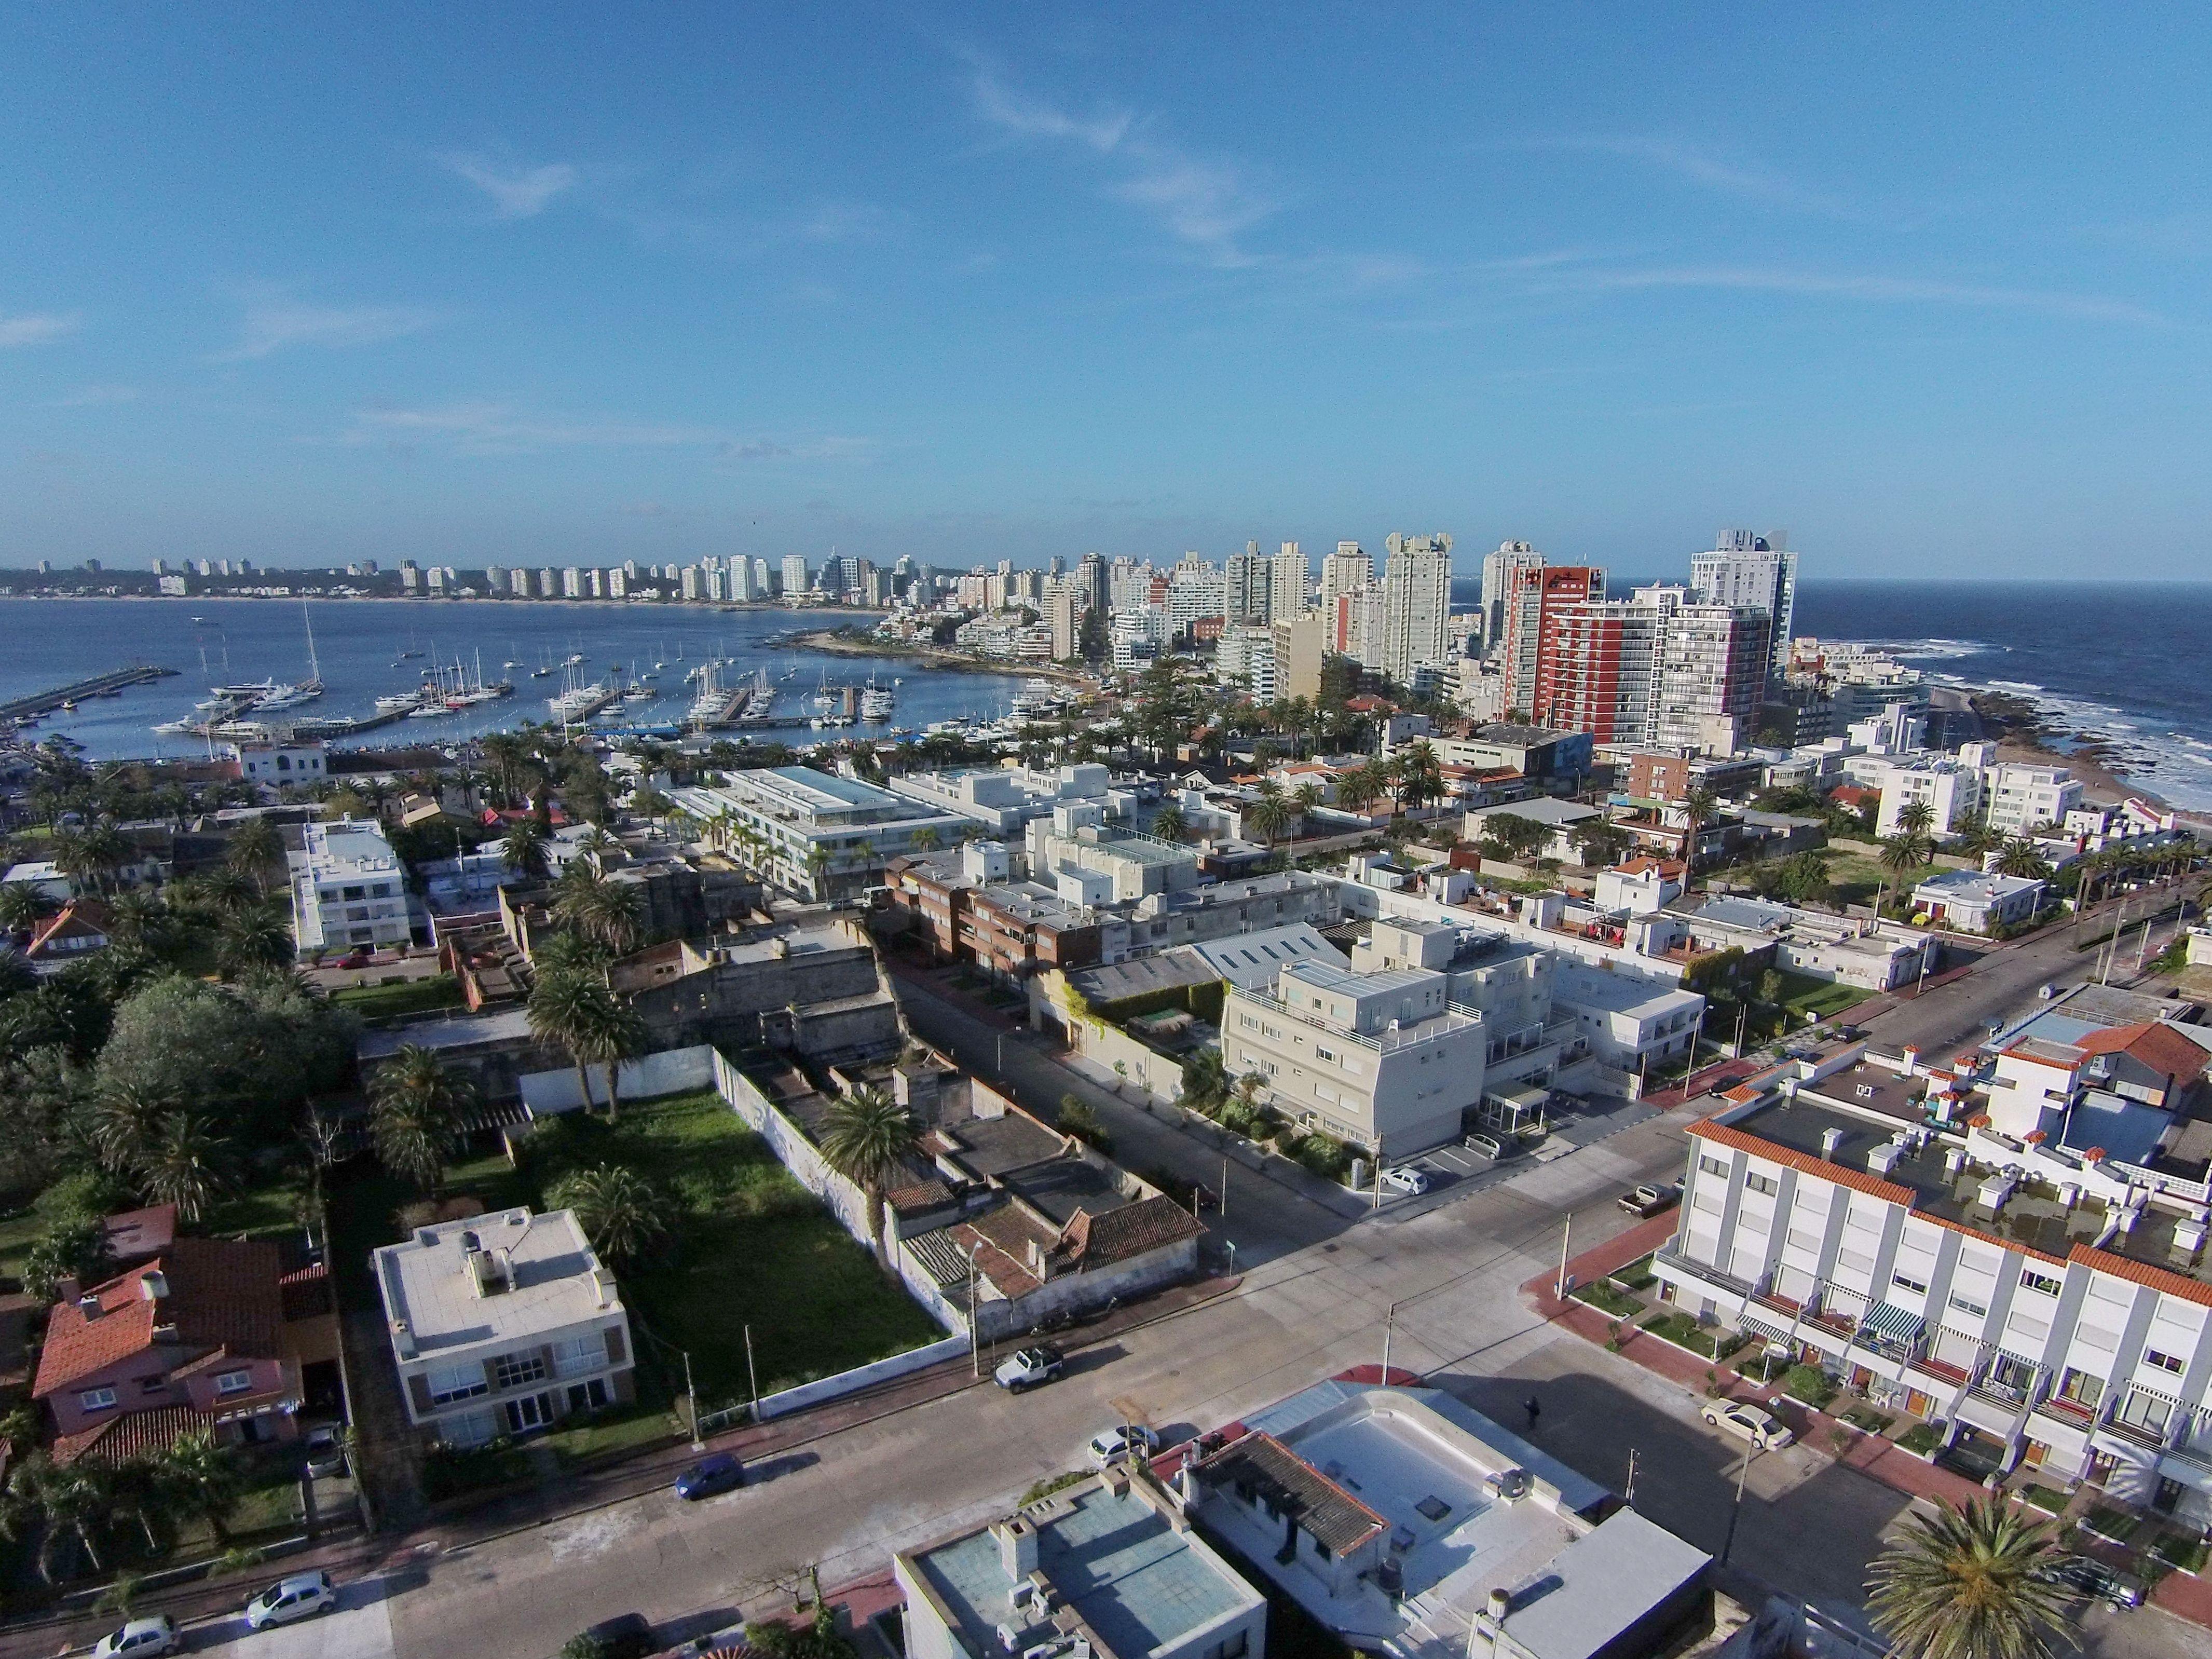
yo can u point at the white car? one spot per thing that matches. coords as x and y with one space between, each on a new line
1765 1432
1407 1179
302 1595
1028 1367
1115 1444
142 1639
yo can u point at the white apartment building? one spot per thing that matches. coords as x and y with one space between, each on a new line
1247 585
1499 572
1416 605
348 889
1380 1060
1347 570
1196 591
2034 1306
1290 579
2018 798
1756 573
1246 657
1951 788
1628 1023
1002 798
813 835
502 1323
795 575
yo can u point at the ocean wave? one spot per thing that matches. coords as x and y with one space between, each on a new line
1931 650
2170 763
2028 686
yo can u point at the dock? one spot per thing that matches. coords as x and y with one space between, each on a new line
100 685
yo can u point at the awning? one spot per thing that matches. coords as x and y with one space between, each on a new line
1771 1331
1890 1323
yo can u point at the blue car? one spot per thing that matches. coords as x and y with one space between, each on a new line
711 1476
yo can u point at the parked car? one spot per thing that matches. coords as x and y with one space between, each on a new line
1030 1366
711 1476
142 1639
625 1635
326 1451
302 1595
1115 1444
1496 1148
1407 1179
2092 1577
1765 1431
1650 1200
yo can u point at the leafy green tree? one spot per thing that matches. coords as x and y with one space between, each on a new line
1978 1582
624 1215
68 1249
868 1138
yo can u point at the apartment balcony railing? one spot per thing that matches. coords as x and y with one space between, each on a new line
1956 1376
2135 1434
1383 1043
2068 1411
2197 1457
1711 1275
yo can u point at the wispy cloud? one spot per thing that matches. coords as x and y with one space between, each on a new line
98 397
515 192
497 429
31 328
1206 203
1872 289
1749 180
274 322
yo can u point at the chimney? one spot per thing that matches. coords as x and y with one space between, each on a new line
1501 1603
1911 1061
88 1305
1017 1547
1830 1140
153 1284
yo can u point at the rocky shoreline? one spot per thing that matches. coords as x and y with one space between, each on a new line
846 645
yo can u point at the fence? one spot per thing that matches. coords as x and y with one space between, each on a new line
825 1389
670 1072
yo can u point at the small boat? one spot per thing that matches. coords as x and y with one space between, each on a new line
399 702
574 659
173 728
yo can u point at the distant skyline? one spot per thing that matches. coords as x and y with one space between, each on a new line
558 285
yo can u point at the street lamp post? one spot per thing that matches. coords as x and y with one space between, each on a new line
692 1395
1742 1476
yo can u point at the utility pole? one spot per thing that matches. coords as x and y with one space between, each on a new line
752 1374
1742 1476
692 1393
1225 1183
1389 1323
1628 1496
1565 1236
974 1345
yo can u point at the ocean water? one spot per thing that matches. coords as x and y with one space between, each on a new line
50 643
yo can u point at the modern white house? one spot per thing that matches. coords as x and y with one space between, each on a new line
2017 797
1109 1569
814 834
1629 1023
348 889
1976 901
502 1323
1003 799
1379 1059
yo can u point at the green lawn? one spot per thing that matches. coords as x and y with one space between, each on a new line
1821 999
1854 877
18 1232
419 996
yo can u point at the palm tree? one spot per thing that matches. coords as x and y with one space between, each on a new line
201 1480
522 847
187 1164
1270 814
1906 850
624 1215
868 1138
562 1010
2019 856
612 1031
817 869
1916 817
1306 800
253 846
1699 805
1420 775
923 840
252 939
126 1121
21 907
70 1501
416 1107
1168 823
1979 1582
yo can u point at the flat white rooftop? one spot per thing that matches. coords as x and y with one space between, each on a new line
1617 993
554 1279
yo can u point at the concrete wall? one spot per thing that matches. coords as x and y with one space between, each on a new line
1105 1045
670 1072
1081 1292
861 1377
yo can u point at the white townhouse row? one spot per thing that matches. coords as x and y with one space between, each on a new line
2035 1322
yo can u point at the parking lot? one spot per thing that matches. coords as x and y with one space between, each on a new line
1455 1171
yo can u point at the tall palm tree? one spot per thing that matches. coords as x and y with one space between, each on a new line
522 847
1270 814
126 1121
1906 851
252 939
201 1480
1168 823
21 907
1420 775
253 846
1916 817
1305 800
416 1107
612 1032
868 1137
562 1010
817 869
1979 1582
1699 805
187 1163
2019 856
624 1215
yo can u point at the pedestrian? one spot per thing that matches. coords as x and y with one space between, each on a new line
1533 1410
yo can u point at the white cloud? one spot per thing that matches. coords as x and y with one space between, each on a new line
275 321
39 327
496 428
1751 180
515 193
1207 203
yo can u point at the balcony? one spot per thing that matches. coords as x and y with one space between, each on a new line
2196 1457
1954 1375
2068 1411
2135 1434
1692 1269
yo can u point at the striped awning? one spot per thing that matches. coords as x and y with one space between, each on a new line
1891 1324
1773 1330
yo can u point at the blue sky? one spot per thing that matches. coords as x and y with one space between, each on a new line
591 282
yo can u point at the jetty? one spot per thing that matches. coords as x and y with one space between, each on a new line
99 685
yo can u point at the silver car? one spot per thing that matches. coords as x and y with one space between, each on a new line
302 1595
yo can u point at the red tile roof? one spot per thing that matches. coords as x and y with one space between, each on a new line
2152 1043
1097 1240
83 918
2143 1272
134 1434
1805 1162
222 1295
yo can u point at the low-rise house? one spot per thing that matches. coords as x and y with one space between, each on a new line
502 1323
1109 1567
1410 1526
41 875
1874 955
1006 799
1977 901
1626 1022
75 932
1561 818
1639 886
192 1339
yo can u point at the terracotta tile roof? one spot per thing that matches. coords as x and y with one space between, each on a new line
2152 1043
221 1294
82 919
2143 1272
1325 1510
1805 1162
1151 1223
134 1434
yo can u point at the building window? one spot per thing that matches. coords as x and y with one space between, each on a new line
1760 1183
513 1370
233 1382
1966 1306
1712 1166
2147 1411
96 1400
2165 1362
450 1383
2036 1281
2082 1388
